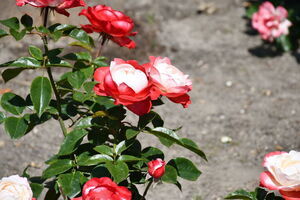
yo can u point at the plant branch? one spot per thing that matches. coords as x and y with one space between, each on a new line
57 96
147 188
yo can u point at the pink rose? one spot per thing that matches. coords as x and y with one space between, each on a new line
156 168
271 22
283 173
103 189
127 83
59 5
168 81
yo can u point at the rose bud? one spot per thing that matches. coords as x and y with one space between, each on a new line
283 173
271 22
110 23
126 82
168 81
156 168
104 188
15 187
60 6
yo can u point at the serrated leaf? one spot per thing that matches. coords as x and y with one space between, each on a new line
12 23
15 127
119 170
36 52
185 168
27 62
85 159
40 93
13 103
71 141
57 167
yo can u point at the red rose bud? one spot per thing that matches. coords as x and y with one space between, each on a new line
60 6
114 24
156 168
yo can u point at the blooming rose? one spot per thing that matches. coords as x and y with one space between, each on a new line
127 83
156 168
15 188
59 5
283 173
271 22
168 81
114 24
103 189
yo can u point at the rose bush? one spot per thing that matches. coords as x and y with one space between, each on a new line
110 23
156 168
103 189
60 6
15 188
271 22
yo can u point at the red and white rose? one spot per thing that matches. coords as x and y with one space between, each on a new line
283 173
156 168
271 22
59 5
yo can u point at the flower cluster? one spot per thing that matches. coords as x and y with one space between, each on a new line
283 173
136 86
271 22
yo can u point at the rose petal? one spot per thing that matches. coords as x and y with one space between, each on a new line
140 108
290 195
268 181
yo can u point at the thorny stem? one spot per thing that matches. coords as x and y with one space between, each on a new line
100 48
45 11
147 188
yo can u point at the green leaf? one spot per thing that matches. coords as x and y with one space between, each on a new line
71 141
146 119
119 170
13 103
103 149
129 158
100 62
251 10
36 52
80 35
2 117
3 33
27 21
85 159
82 45
107 102
40 93
241 194
185 168
80 56
42 29
84 123
152 153
36 189
15 127
64 27
9 74
285 42
57 167
170 175
56 35
12 23
89 86
76 79
122 146
17 35
27 62
131 133
71 183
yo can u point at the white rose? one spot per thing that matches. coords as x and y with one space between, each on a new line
15 188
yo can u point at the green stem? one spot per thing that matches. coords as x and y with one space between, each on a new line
57 96
147 188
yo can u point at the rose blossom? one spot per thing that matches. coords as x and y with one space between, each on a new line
283 173
271 22
103 189
168 81
15 187
113 24
156 168
59 5
127 83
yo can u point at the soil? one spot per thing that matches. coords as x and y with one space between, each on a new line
252 99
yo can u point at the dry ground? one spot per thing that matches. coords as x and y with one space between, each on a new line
255 101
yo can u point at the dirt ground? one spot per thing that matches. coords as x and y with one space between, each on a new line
253 100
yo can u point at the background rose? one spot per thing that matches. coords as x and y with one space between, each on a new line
127 83
283 173
15 188
104 188
156 168
114 24
59 5
168 81
270 22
